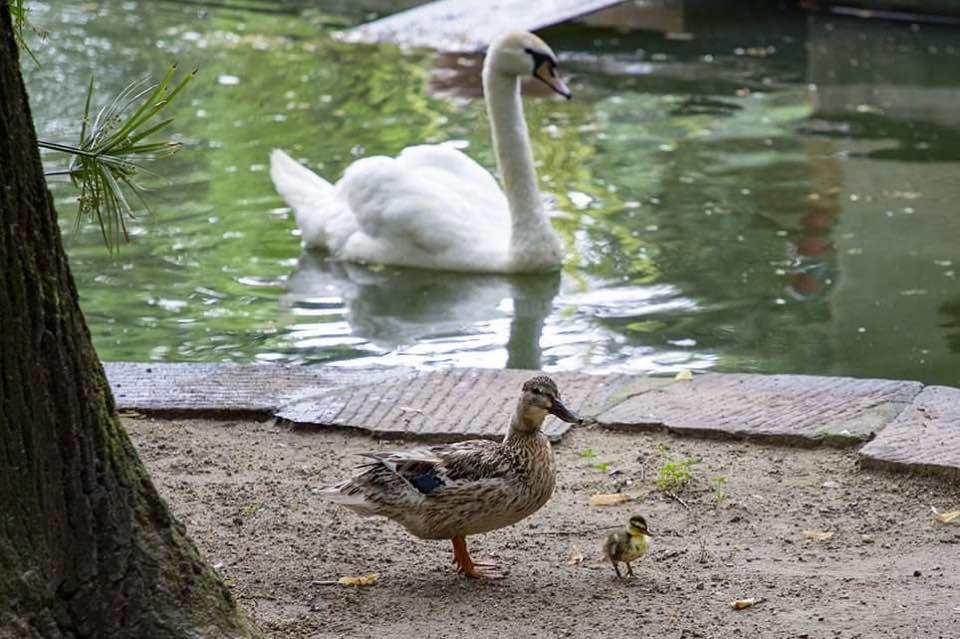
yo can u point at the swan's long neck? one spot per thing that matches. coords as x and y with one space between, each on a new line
533 245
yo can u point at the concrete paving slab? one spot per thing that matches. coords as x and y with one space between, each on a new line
795 409
925 437
449 404
919 428
206 388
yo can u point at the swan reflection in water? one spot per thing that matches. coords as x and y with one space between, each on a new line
397 308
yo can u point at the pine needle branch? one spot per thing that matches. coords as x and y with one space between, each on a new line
111 148
18 11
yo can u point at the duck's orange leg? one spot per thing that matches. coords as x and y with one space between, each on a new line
470 568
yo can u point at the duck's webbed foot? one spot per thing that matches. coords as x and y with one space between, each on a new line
470 568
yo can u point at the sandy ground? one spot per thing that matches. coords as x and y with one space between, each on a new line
245 492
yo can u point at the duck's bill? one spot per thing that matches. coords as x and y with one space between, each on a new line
547 73
562 412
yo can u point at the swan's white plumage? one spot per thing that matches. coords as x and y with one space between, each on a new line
432 206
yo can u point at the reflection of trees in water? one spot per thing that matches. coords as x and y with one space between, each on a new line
887 81
738 219
951 309
906 139
74 54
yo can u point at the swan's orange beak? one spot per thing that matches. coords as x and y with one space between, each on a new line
547 73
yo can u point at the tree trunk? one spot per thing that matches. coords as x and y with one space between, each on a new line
87 546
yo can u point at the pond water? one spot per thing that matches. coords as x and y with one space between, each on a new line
763 192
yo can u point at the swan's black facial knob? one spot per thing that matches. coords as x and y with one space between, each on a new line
545 70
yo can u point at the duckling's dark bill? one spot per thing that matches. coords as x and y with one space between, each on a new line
562 412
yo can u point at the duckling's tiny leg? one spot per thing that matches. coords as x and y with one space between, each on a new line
474 570
616 568
629 569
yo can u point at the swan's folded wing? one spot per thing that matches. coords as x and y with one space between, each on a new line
457 172
440 157
422 207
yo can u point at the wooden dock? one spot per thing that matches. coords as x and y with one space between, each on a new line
468 26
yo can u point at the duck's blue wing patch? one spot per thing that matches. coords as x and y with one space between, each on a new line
430 470
428 481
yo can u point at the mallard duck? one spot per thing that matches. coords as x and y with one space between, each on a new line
628 545
467 488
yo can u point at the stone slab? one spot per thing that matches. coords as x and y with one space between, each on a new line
188 387
919 427
468 26
795 409
449 404
925 437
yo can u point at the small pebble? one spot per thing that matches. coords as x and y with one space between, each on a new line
917 573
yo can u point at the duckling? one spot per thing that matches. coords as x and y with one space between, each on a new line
628 545
466 488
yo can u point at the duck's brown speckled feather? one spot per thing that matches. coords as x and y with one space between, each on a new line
465 488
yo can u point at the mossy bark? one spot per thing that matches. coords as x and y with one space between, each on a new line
87 546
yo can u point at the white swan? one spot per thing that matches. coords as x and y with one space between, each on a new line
432 206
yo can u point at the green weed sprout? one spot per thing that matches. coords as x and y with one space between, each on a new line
673 475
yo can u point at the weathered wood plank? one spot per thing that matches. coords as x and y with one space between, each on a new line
469 26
